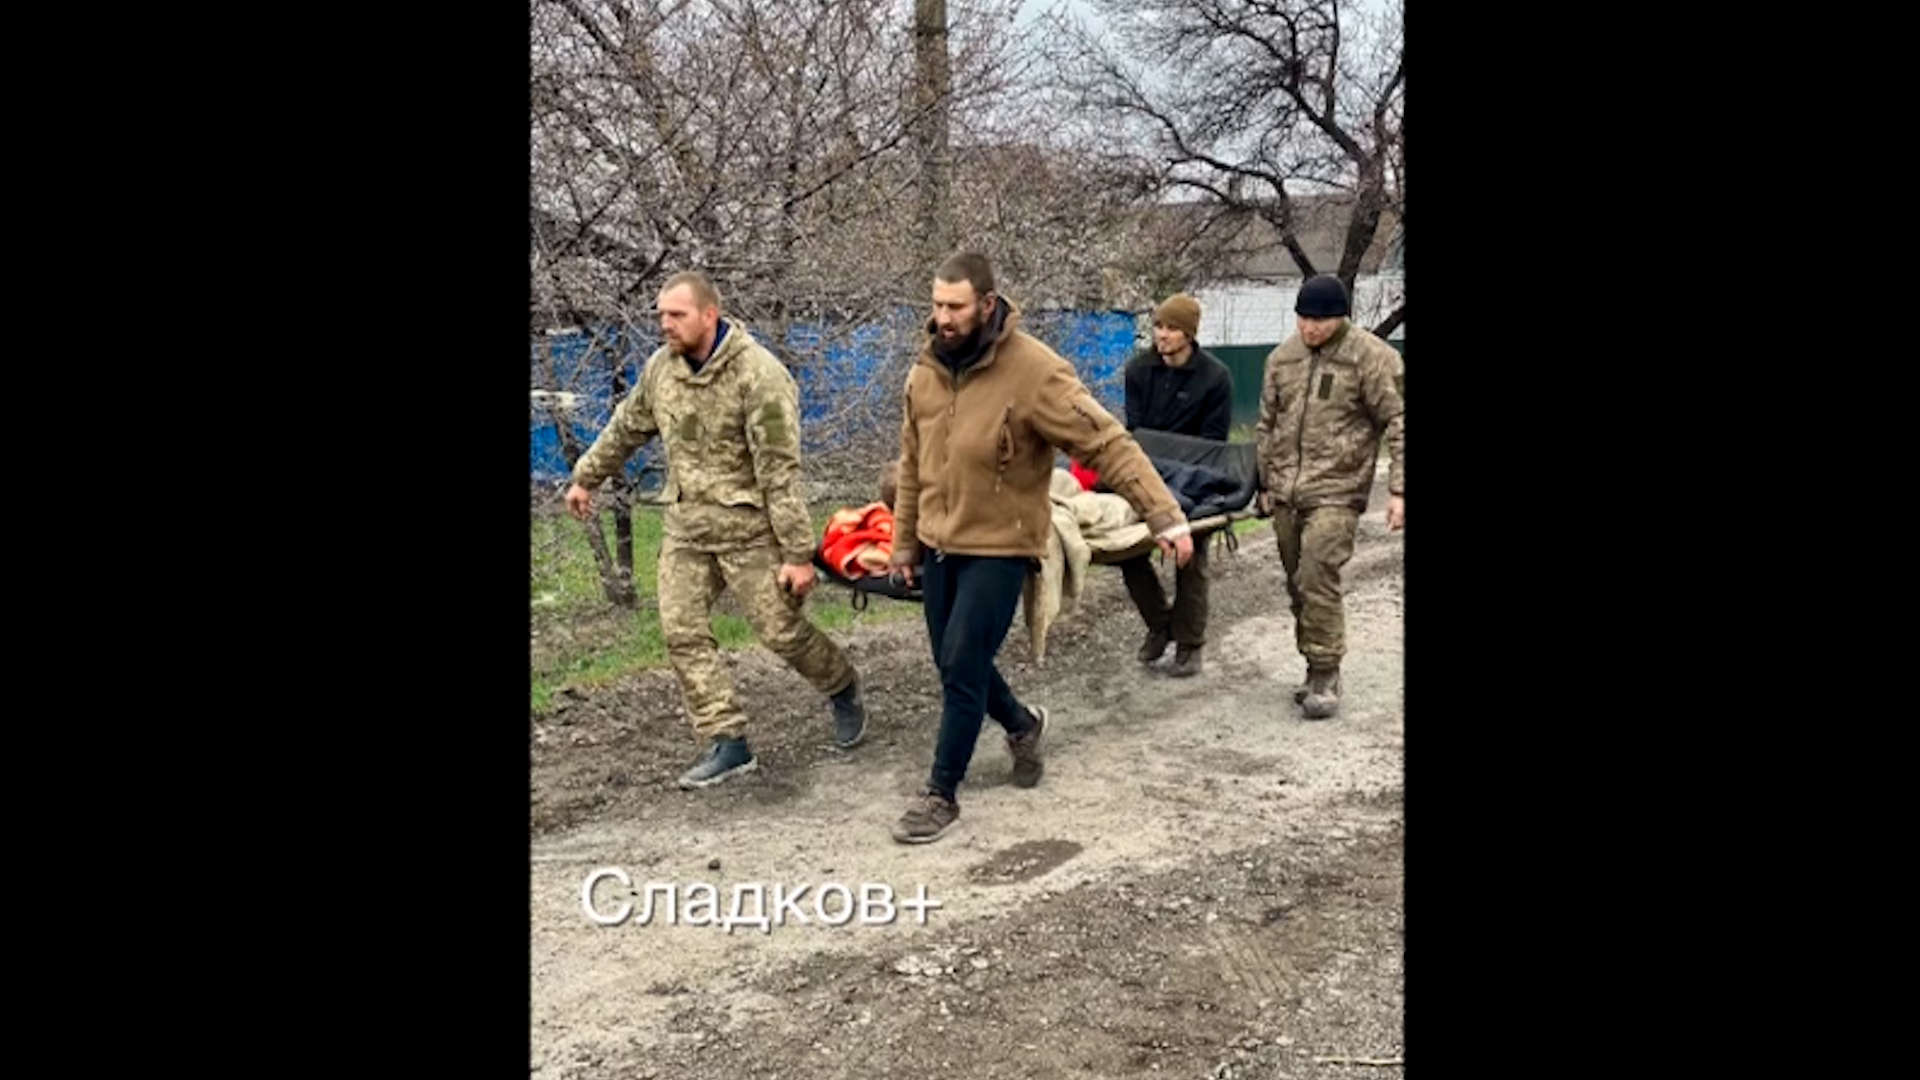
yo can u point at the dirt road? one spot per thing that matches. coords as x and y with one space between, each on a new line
1203 885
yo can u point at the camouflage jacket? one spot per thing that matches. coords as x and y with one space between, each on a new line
1322 412
732 434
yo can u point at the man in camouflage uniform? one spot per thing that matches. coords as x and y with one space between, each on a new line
729 413
1328 395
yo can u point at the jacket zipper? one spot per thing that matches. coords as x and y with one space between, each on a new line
1300 443
953 410
1000 463
953 406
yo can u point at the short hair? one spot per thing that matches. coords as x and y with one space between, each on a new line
968 266
704 294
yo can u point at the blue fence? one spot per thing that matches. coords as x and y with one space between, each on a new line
1096 342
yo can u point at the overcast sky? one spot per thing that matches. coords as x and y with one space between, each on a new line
1031 10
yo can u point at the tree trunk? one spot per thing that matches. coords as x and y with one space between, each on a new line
618 590
619 593
622 498
1369 202
622 501
932 86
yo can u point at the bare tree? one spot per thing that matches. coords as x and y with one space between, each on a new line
776 146
615 566
1250 104
746 137
814 157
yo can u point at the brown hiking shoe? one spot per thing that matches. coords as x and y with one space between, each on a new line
1322 693
1025 749
926 819
1186 661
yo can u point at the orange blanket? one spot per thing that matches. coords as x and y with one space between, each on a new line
859 541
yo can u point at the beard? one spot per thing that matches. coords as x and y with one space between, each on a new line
962 342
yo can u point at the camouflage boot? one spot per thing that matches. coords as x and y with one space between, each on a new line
1320 698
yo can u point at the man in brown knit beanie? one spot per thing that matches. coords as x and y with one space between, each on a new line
1176 386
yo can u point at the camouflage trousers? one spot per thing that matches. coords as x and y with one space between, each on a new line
690 581
1314 545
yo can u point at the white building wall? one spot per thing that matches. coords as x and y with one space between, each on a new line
1261 313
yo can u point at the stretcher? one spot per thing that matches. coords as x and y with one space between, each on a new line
1215 513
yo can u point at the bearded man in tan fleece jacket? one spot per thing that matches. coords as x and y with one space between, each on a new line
986 406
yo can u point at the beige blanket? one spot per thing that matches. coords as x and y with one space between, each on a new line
1083 523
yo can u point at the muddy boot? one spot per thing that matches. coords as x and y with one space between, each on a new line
849 717
724 760
1025 749
928 817
1156 644
1186 661
1322 697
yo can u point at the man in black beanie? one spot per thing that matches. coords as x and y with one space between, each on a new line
1328 395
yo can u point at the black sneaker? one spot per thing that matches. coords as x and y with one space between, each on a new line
1155 646
928 817
1025 749
849 717
724 760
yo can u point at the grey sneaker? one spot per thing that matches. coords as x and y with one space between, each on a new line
928 817
849 717
1025 749
724 760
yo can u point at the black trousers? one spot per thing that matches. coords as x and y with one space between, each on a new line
969 602
1186 623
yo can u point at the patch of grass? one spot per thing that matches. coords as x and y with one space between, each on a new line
585 641
601 662
566 582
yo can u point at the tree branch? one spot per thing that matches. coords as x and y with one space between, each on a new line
1392 322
